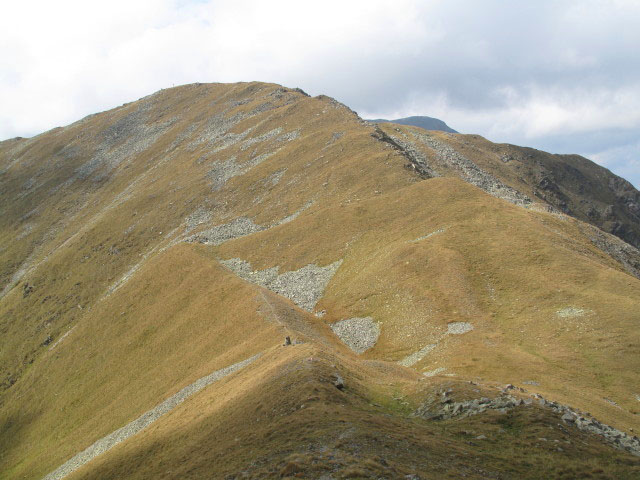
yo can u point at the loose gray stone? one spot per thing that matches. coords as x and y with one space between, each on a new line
140 423
239 227
570 312
359 334
444 408
424 237
458 328
417 356
304 287
433 373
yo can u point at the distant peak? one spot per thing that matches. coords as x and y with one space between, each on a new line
428 123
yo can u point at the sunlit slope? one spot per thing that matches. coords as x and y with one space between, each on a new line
545 304
145 247
104 196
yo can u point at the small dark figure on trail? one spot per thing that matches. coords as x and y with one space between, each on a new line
287 341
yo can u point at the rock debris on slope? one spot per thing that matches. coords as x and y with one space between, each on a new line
304 287
143 421
238 227
459 328
468 170
626 254
415 357
445 408
359 334
453 328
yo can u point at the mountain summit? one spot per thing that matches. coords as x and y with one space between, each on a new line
242 281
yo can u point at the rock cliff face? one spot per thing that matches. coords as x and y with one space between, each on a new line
155 257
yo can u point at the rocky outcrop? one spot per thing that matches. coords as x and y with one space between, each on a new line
470 172
627 255
418 162
443 407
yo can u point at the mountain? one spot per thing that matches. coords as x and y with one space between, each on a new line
242 281
428 123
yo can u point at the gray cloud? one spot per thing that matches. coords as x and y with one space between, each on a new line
557 75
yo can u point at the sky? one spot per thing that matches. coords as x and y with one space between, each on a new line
561 76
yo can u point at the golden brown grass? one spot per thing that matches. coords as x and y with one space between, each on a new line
504 269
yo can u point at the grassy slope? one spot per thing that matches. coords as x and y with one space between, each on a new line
504 269
284 418
571 183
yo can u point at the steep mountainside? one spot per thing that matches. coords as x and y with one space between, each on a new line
442 319
570 183
428 123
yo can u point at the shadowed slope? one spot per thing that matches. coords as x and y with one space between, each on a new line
568 183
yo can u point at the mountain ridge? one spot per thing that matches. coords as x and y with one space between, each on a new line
145 247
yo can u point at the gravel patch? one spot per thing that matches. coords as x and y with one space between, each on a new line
215 132
294 215
571 312
304 287
143 421
223 170
198 217
433 373
458 328
611 402
453 328
334 138
123 140
289 136
243 269
239 227
359 334
418 161
417 356
424 237
260 138
275 177
62 338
